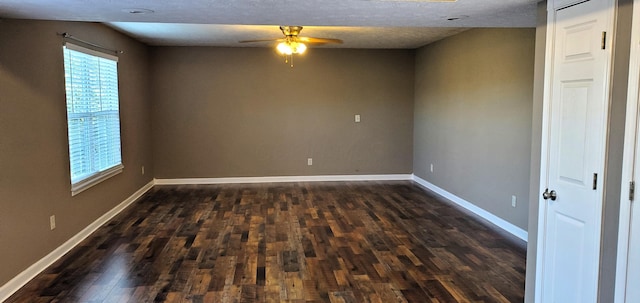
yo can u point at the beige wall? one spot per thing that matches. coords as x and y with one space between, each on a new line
236 112
473 108
34 163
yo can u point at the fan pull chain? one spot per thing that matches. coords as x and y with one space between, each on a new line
288 59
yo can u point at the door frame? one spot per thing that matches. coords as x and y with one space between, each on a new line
629 161
552 7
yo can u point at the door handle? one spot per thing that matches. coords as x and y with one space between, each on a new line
549 195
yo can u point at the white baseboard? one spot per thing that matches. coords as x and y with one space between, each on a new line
325 178
21 279
508 227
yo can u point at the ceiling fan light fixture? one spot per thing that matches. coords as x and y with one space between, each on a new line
291 47
301 48
292 43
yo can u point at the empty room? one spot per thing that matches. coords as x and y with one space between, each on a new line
351 151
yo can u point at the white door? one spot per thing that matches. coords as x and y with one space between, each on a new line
573 167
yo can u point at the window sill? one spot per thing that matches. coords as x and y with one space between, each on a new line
87 183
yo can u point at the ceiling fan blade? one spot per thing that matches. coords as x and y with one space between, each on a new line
313 40
261 40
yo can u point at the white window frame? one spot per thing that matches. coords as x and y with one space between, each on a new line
98 175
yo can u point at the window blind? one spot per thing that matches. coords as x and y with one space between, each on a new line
93 117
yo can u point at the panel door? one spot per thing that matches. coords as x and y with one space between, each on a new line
576 149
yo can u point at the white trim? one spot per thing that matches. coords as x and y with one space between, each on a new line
21 279
279 179
503 224
561 4
544 147
89 51
629 158
95 179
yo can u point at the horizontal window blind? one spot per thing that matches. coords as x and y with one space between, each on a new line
93 117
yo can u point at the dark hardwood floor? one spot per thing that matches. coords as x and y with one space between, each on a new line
288 242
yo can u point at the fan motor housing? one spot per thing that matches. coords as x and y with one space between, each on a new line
288 30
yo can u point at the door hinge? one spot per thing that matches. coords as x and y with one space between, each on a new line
632 190
595 181
604 40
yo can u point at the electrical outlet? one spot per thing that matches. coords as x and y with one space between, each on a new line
143 169
431 167
513 201
52 222
309 161
357 118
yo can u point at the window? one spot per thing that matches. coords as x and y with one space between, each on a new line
93 117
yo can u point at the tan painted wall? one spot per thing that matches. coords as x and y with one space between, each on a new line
235 112
473 107
34 163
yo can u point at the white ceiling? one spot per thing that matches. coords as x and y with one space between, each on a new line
360 23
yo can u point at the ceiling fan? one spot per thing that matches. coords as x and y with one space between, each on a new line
293 43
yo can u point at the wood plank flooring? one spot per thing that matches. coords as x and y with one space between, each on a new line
288 242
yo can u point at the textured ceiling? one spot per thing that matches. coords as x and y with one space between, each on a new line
229 35
360 23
